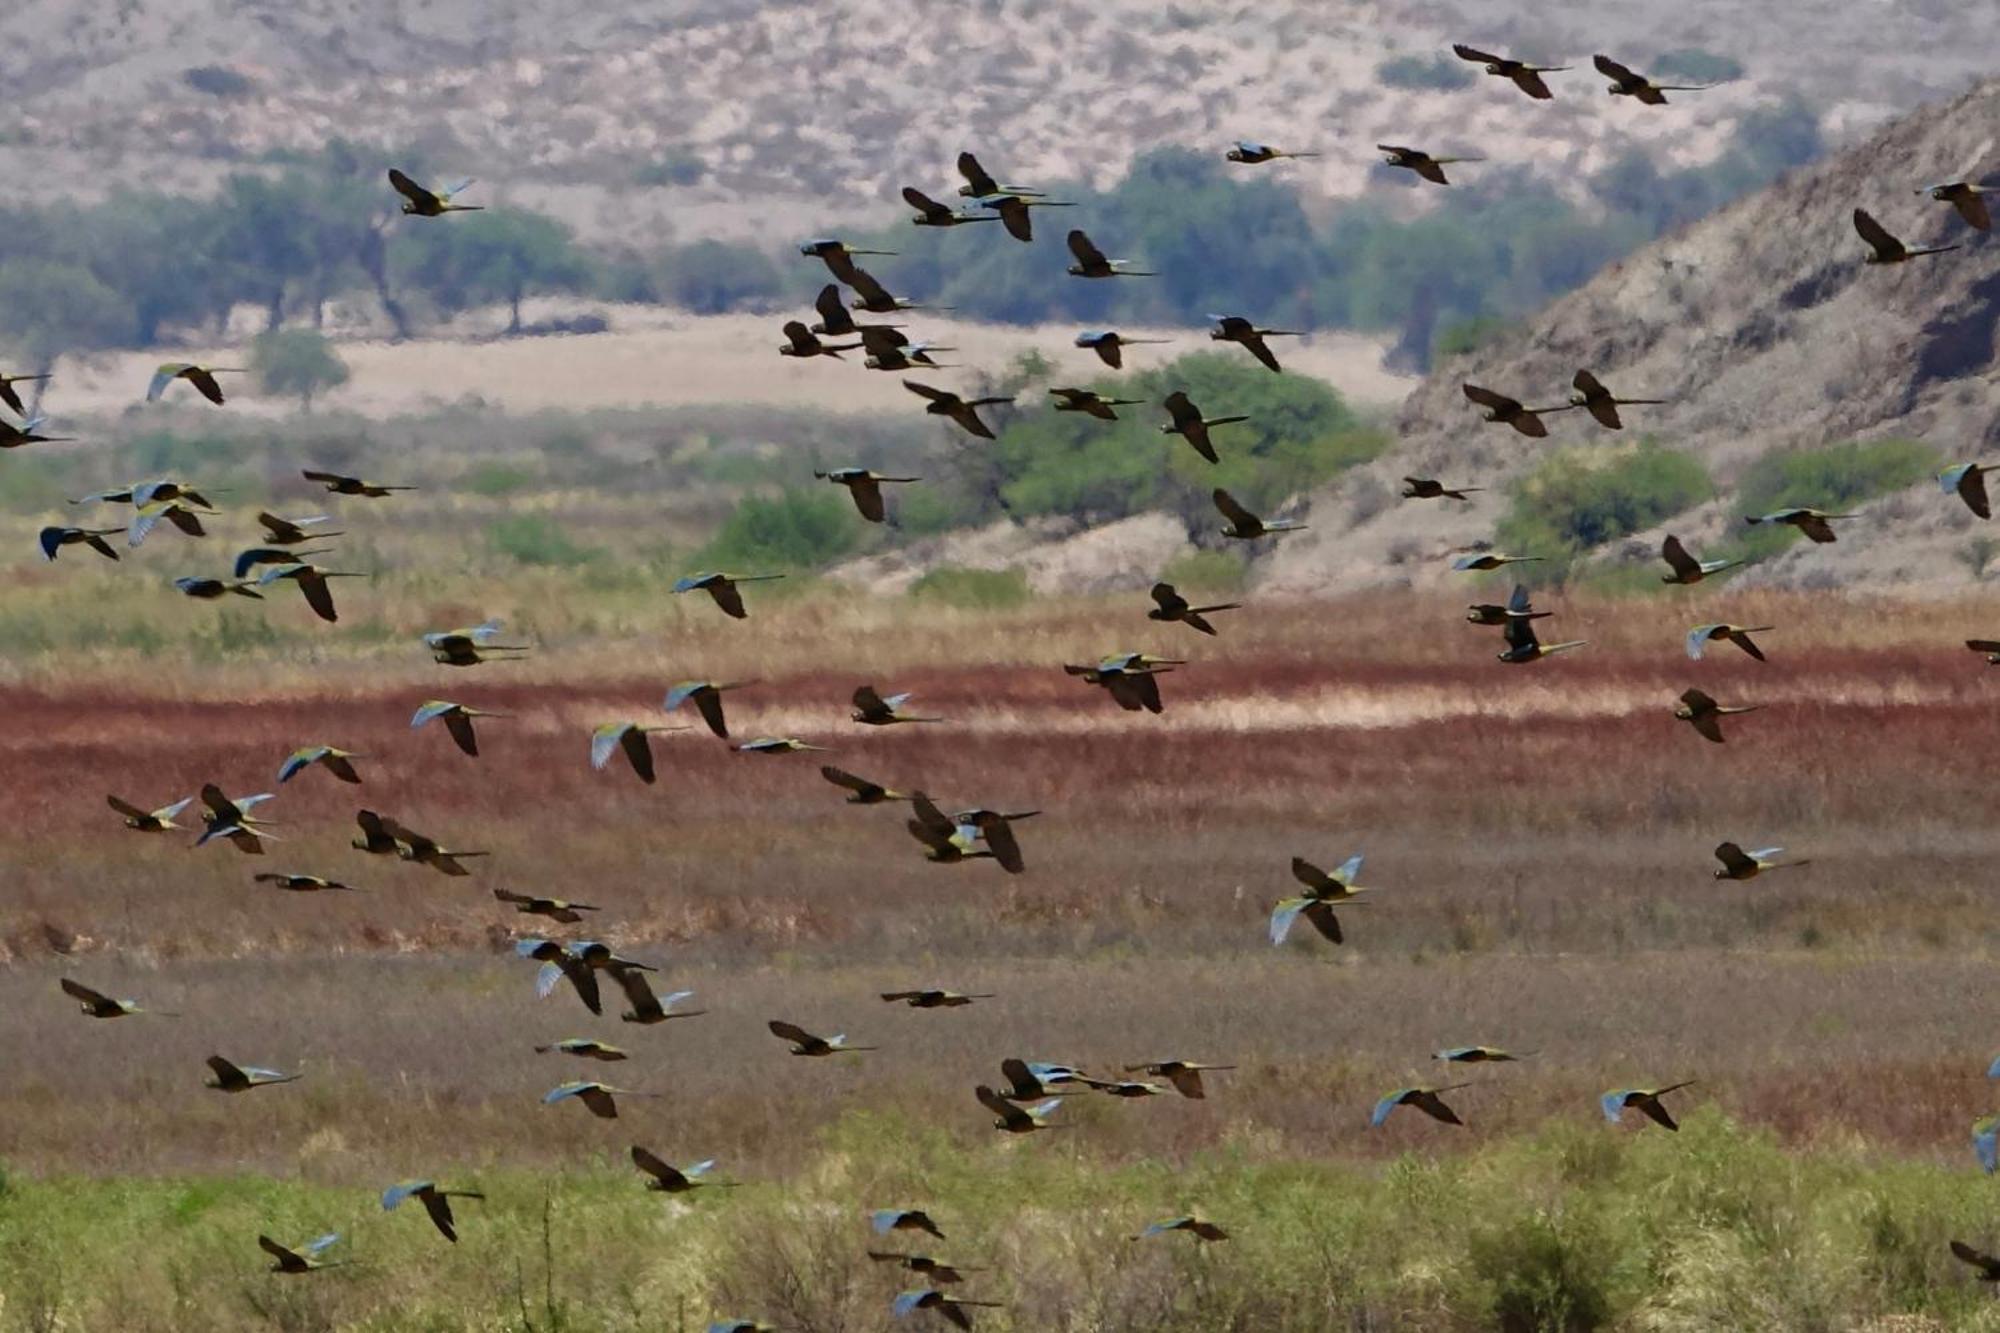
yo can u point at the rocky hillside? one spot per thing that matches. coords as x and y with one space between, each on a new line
737 111
1766 330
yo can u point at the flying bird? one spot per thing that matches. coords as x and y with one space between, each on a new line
555 909
932 999
648 1008
13 399
1012 210
1986 1142
1645 1100
872 296
871 709
800 341
231 819
600 1099
1478 1055
436 1202
1132 680
1884 247
341 484
1705 715
1526 77
1738 864
29 432
457 719
420 850
1110 345
895 353
722 588
208 590
630 737
1188 423
667 1178
202 377
1991 647
1429 488
1422 163
1506 411
1091 402
1332 888
97 1004
1169 606
1091 263
1193 1224
1316 910
864 791
963 411
1524 645
311 581
946 841
1701 636
1591 395
1428 1100
584 1048
924 1265
707 698
241 1078
1519 607
776 745
559 964
865 487
979 183
1686 569
1966 197
1237 329
1185 1075
1481 562
293 531
952 1309
252 556
884 1221
303 1258
805 1043
1011 1118
1988 1266
471 645
292 883
376 836
1812 522
1628 83
335 761
1965 480
149 821
931 213
1251 154
837 255
146 517
429 203
53 539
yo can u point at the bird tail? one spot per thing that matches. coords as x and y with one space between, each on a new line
1222 421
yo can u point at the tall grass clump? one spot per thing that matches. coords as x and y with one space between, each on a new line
790 531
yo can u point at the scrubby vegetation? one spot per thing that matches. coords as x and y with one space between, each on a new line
1831 478
1579 499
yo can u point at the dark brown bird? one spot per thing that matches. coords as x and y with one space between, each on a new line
1429 488
1511 412
13 399
555 909
1885 248
1627 83
436 1202
1090 402
871 709
864 791
1686 569
1594 398
1526 77
1967 198
340 484
1422 163
1188 423
1170 606
1705 715
963 411
865 487
1988 1266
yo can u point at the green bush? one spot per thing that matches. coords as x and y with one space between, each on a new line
795 530
1206 573
533 539
1439 73
972 589
1834 478
494 479
1578 499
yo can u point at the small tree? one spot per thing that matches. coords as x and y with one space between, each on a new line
297 363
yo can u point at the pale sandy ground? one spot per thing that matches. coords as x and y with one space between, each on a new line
657 358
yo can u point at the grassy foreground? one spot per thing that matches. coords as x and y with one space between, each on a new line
1570 1227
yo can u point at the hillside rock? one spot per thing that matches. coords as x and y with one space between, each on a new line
1765 330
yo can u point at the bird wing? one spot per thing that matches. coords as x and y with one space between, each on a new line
1349 869
1613 1104
1677 557
1697 643
131 811
1733 858
797 335
1006 850
1233 511
1972 208
1588 385
638 752
729 597
1477 56
1386 1105
926 391
870 290
460 727
1614 71
605 740
78 990
997 1104
975 175
867 495
1284 914
1015 217
1499 402
412 191
1310 875
1086 254
637 991
791 1032
866 700
1977 645
319 595
708 703
1876 235
205 382
922 202
1262 351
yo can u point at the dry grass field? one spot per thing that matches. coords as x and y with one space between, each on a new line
1538 838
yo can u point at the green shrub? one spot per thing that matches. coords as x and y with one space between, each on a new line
534 539
1579 499
1439 73
494 479
795 530
972 589
1834 478
1206 573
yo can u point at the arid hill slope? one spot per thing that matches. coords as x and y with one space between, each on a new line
1766 330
